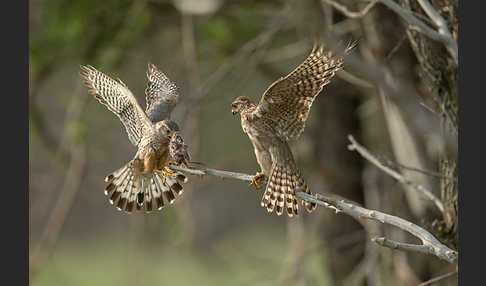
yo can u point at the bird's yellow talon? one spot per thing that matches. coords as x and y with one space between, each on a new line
258 176
165 174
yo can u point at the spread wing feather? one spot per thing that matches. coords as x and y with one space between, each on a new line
116 96
288 100
161 94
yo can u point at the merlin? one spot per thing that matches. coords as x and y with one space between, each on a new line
280 117
145 181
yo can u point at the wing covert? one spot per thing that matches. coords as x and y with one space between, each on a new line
116 96
161 94
288 100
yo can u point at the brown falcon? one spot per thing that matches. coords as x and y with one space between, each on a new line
139 184
279 117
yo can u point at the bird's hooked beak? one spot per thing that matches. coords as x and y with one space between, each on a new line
234 109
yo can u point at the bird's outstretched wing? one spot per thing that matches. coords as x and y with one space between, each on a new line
116 96
161 94
288 100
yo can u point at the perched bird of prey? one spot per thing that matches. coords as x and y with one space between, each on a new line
279 117
139 185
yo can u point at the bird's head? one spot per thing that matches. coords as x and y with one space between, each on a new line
177 139
167 127
240 103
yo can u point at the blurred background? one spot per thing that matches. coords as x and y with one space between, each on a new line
397 96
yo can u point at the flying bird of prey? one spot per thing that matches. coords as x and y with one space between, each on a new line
279 117
145 181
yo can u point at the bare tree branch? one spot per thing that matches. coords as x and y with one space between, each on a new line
439 22
213 172
355 146
396 165
403 93
430 244
442 35
353 79
343 9
385 242
438 278
395 48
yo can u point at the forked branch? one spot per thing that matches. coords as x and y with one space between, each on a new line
355 146
441 32
430 245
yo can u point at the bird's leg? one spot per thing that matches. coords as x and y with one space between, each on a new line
165 173
258 176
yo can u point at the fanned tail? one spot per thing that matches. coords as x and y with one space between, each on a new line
129 190
285 181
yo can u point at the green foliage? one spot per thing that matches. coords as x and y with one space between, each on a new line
218 30
221 34
84 30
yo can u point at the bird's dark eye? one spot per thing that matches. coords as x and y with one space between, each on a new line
233 105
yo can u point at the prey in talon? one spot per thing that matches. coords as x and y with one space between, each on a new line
178 150
139 185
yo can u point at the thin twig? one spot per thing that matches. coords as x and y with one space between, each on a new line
383 241
355 146
402 92
431 244
343 9
442 35
438 278
390 163
213 172
395 48
353 79
439 22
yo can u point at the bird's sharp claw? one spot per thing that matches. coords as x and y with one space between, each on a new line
254 183
254 180
165 174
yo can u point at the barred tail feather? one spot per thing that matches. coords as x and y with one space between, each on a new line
129 190
301 186
279 194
